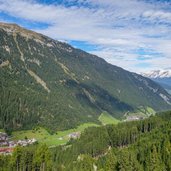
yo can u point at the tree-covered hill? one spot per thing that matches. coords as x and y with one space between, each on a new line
49 83
143 145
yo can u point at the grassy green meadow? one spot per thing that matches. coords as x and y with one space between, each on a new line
43 136
142 112
60 137
106 118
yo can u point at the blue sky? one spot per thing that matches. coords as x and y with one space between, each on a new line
133 34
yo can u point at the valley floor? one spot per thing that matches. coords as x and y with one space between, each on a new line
42 136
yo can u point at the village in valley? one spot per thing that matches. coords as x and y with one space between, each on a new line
7 145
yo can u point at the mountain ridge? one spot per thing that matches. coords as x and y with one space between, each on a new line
52 84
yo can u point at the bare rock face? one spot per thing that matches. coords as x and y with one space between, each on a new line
14 29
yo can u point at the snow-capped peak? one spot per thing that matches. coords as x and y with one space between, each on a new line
157 74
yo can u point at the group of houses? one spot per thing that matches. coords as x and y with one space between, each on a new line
134 118
7 145
74 135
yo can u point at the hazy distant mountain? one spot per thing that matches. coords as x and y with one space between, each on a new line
49 83
163 77
158 74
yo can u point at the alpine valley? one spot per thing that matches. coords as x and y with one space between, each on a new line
47 83
63 109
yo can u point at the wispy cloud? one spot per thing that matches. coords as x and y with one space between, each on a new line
118 29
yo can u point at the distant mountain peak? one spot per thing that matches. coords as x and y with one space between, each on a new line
157 74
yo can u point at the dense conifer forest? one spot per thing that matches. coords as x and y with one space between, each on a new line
128 146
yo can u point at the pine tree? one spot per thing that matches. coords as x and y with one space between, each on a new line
42 159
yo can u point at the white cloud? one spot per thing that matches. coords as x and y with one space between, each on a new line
158 15
118 28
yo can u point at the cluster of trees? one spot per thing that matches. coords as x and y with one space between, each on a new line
27 159
130 146
15 112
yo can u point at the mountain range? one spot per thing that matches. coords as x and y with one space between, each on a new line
162 77
51 84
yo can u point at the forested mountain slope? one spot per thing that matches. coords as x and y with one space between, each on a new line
49 83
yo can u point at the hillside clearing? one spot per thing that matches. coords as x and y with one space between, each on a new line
106 118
